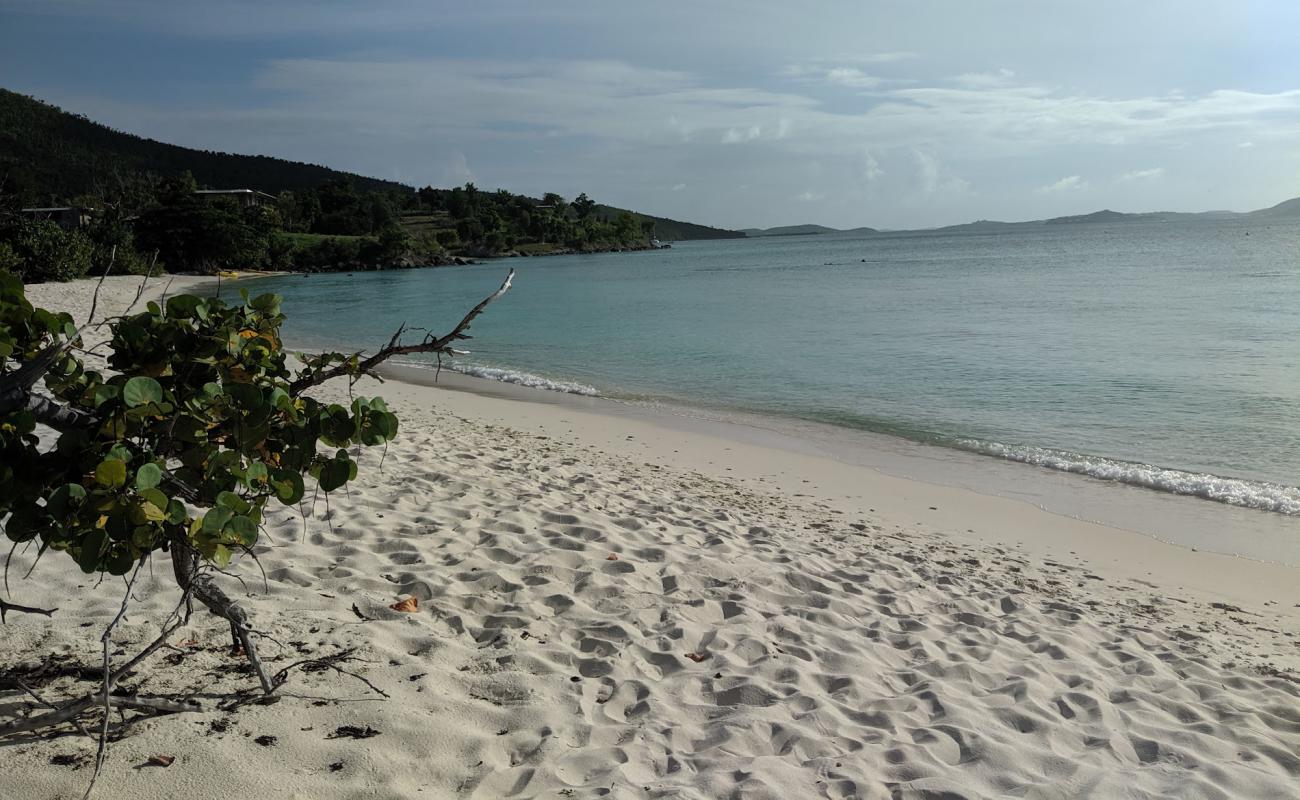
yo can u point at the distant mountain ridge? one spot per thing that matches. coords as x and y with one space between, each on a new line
802 230
1287 209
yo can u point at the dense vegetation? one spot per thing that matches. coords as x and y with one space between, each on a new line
146 213
48 155
197 410
197 424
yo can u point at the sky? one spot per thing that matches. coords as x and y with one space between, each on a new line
723 112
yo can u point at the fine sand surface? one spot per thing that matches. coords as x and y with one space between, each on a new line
610 608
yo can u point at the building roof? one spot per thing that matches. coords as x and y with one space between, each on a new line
233 191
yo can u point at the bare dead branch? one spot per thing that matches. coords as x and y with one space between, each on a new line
139 292
29 690
6 607
71 711
430 344
106 695
327 662
94 300
178 618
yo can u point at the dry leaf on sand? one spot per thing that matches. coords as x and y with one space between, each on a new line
161 760
408 605
612 557
697 657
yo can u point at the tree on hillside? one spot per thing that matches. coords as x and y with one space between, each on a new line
583 206
191 234
432 198
197 426
625 228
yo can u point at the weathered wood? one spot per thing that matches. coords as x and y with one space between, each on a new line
200 585
441 344
6 607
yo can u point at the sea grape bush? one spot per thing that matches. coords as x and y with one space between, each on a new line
196 425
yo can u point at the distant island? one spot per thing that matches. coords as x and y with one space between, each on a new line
802 230
79 197
1286 210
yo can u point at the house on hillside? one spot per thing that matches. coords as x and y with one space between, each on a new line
67 217
244 197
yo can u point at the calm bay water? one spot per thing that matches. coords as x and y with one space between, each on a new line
1164 355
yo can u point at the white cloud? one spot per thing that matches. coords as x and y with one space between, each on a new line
456 170
836 75
871 171
853 78
809 196
734 135
623 132
933 178
883 58
1143 174
677 187
984 80
1070 183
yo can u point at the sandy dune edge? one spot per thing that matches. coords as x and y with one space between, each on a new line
915 651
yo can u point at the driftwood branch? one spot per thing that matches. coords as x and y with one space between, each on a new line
430 344
16 386
58 416
71 711
6 607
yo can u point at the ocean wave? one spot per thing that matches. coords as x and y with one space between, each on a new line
1232 491
523 379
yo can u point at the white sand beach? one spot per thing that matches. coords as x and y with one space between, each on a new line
608 607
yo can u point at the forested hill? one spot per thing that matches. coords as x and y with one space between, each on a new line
669 230
48 156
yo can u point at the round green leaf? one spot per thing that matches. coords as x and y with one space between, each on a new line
141 391
288 486
221 556
91 548
243 529
148 476
110 473
216 519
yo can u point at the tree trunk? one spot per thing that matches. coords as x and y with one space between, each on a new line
185 563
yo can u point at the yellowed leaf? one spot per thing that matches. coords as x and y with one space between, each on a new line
408 605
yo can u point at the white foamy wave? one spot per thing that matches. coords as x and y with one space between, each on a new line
1233 491
523 379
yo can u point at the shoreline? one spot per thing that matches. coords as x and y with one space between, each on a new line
722 450
1075 499
612 605
1186 521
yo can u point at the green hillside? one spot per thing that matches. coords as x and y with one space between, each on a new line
48 156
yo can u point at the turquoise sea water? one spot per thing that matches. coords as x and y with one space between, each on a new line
1164 355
